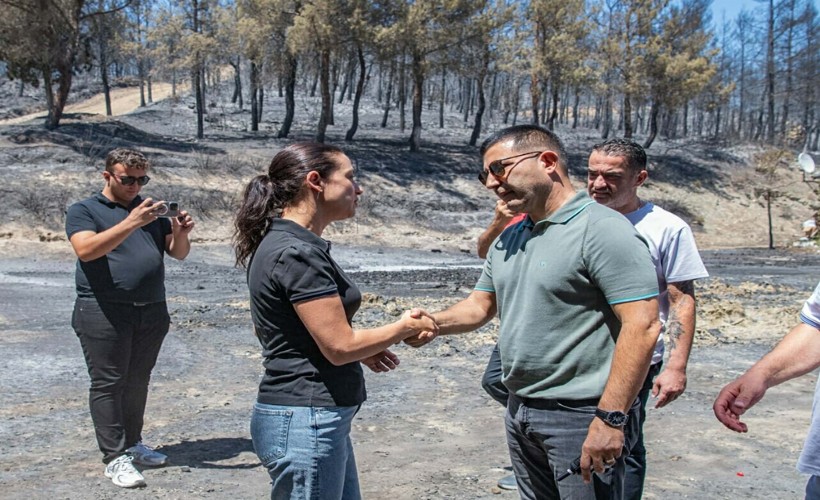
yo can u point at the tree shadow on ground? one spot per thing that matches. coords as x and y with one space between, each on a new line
207 453
438 165
683 172
95 140
689 216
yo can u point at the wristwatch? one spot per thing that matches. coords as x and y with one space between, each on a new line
612 418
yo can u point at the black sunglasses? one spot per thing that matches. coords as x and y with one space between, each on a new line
127 180
499 170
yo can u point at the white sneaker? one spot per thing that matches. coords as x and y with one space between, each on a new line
123 473
145 455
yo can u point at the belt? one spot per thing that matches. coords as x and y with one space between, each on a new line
552 404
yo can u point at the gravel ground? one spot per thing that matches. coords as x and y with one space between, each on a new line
427 429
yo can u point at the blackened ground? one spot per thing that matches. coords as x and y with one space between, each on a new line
427 430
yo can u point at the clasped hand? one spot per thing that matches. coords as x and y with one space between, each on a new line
420 327
423 335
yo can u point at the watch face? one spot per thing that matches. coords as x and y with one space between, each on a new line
617 418
612 418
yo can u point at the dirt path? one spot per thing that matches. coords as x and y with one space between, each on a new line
123 101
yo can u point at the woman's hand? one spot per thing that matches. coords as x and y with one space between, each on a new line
422 326
381 362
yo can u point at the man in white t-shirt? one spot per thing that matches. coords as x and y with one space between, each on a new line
797 354
616 169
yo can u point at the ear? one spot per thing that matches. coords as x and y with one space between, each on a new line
642 176
314 181
549 159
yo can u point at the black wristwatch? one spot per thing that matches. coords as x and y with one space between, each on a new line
612 418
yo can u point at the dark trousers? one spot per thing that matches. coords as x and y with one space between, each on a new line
636 461
491 381
546 435
120 343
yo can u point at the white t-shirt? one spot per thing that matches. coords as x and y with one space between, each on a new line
674 253
809 462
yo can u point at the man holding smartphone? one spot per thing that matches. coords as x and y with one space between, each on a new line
120 315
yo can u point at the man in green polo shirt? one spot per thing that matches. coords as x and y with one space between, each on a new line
575 290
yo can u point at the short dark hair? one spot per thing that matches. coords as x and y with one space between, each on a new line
528 137
128 158
624 148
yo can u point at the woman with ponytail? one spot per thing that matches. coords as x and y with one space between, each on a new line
302 306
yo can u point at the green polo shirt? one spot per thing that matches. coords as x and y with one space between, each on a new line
554 283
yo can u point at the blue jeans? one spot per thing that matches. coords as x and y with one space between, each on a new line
545 436
307 451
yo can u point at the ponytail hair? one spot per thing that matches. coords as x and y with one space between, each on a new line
266 196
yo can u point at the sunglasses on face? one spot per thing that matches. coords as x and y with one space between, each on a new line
127 180
500 171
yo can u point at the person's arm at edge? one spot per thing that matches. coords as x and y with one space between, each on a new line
797 354
501 218
680 328
640 327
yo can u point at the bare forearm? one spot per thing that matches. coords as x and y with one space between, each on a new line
366 343
640 327
180 246
90 246
797 354
467 315
489 235
680 325
325 319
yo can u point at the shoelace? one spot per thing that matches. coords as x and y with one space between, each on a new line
123 462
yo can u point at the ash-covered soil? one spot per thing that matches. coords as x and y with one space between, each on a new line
427 430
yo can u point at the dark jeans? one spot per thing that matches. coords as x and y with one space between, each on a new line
636 461
813 488
121 343
491 381
546 435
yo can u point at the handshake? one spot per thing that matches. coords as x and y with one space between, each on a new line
422 325
417 328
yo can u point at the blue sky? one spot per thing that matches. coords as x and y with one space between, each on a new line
732 7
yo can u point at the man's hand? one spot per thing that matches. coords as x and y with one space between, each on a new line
601 448
737 397
142 214
423 324
182 224
668 386
501 217
381 362
421 338
503 212
177 244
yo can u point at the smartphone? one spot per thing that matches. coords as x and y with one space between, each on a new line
169 209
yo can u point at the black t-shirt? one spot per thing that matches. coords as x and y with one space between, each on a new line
292 265
132 272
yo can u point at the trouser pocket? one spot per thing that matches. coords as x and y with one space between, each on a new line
269 431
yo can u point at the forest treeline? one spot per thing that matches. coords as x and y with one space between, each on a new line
648 67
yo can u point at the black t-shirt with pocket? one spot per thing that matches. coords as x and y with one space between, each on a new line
292 265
